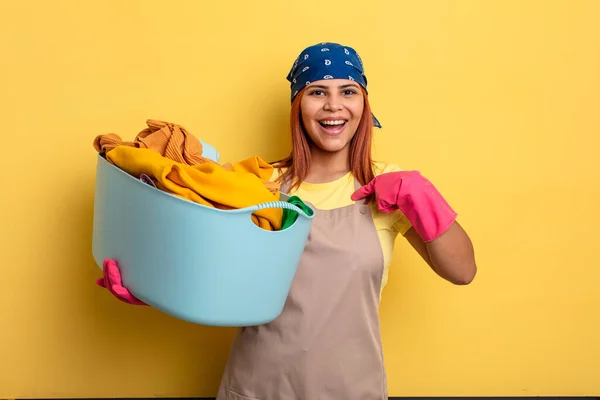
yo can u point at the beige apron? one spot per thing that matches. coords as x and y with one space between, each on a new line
326 343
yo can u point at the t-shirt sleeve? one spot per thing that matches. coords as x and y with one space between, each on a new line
401 224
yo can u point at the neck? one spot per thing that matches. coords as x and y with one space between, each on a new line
326 166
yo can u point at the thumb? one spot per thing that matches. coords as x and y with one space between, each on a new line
364 191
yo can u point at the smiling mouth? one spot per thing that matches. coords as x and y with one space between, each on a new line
333 123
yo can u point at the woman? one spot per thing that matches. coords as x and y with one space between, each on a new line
326 342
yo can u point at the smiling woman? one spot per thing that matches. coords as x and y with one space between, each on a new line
326 342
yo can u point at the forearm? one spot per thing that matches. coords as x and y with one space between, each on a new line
452 256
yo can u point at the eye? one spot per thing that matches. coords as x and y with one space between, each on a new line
349 92
316 93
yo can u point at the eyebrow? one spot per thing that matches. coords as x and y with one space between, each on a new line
353 85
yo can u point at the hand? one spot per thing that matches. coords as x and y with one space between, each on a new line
387 189
112 282
411 193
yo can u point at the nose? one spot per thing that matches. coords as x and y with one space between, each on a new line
333 103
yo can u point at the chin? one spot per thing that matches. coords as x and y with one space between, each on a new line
333 148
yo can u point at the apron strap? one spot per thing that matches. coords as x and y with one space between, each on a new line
285 186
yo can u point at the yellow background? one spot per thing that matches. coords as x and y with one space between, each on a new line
497 102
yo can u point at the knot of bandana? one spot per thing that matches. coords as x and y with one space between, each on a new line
327 61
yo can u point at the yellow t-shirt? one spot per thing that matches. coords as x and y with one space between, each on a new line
335 194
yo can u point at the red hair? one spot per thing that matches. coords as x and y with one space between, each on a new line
296 165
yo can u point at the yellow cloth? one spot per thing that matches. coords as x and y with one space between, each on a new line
335 194
207 183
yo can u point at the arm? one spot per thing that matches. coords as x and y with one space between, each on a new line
450 255
434 233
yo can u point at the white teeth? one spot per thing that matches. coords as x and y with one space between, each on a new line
339 122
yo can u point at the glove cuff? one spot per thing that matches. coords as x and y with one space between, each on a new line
426 209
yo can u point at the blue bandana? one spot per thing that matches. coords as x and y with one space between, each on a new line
327 61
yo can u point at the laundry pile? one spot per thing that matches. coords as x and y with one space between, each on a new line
168 157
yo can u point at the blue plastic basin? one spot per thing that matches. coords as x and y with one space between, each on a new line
196 263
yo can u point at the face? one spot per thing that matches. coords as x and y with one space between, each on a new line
331 111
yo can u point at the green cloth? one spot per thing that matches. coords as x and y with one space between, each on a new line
290 216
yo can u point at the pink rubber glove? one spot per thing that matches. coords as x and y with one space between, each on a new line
112 282
416 197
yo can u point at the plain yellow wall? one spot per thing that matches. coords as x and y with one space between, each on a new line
497 102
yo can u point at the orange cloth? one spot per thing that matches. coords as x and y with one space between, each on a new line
168 139
207 183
